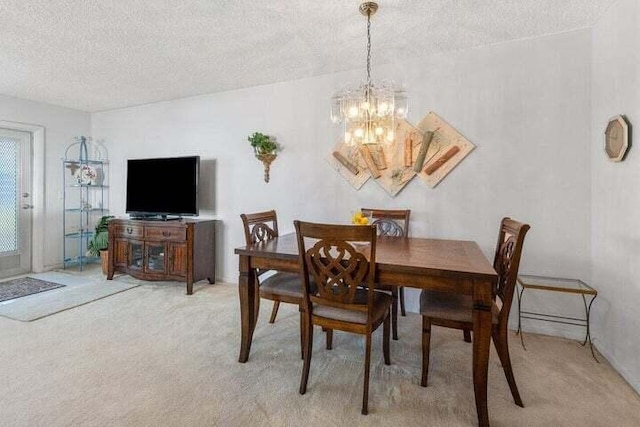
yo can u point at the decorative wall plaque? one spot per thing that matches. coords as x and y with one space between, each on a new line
447 149
398 170
347 162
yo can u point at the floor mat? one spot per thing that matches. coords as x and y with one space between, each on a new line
23 286
74 291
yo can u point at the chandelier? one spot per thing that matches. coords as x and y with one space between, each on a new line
367 110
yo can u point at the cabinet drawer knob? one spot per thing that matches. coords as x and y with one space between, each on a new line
129 230
166 233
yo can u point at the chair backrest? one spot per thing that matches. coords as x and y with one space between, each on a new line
507 262
389 222
260 226
340 259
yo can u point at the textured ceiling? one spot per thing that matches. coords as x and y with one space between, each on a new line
99 55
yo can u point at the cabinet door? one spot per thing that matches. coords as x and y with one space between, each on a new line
156 258
178 259
120 252
135 258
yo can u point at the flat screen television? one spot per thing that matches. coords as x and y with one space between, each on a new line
163 187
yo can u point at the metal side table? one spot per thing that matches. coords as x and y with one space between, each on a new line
555 284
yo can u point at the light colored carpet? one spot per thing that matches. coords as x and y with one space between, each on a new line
153 356
79 289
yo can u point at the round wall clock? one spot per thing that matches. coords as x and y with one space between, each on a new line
616 138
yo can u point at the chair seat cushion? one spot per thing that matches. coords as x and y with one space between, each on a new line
450 306
381 303
282 284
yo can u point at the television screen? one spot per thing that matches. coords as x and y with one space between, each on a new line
163 186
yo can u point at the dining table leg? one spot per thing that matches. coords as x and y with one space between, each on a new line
247 288
481 342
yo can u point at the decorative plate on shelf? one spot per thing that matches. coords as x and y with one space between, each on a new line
88 175
616 138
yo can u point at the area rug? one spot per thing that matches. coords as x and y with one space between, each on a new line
76 291
24 286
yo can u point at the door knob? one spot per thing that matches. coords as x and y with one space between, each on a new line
26 206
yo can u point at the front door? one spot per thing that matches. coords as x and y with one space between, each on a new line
15 202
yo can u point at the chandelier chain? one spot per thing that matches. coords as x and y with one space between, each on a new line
369 49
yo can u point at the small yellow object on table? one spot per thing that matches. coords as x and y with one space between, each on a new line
359 218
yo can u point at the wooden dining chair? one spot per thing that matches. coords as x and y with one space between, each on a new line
393 223
280 286
340 259
456 311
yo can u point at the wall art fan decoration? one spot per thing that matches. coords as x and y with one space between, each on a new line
430 150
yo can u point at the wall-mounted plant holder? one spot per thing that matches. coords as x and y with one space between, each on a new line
265 148
266 160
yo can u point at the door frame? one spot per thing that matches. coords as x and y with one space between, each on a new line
38 135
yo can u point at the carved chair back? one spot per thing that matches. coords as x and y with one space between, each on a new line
507 262
260 226
339 258
389 222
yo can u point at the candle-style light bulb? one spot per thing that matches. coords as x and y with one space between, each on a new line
347 137
390 136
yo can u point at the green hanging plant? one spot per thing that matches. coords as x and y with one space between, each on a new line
263 144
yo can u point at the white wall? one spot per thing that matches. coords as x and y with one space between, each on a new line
525 104
616 190
61 126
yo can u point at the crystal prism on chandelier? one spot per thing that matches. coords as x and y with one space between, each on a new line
368 111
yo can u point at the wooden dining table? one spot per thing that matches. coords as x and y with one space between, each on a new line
444 265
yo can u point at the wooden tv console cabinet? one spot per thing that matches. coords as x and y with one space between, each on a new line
182 250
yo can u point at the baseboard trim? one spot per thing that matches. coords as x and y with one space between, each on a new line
575 333
626 375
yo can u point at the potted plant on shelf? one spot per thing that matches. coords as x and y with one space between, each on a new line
265 148
99 243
